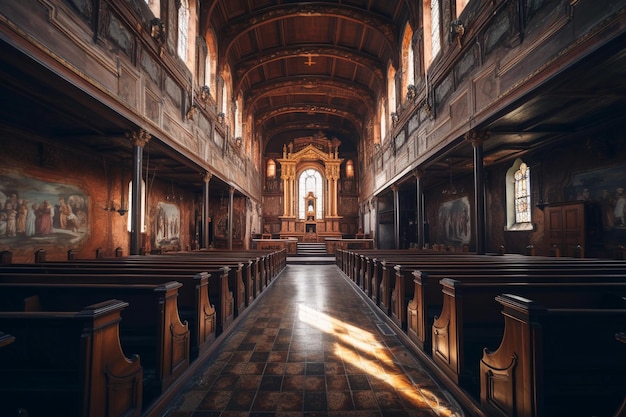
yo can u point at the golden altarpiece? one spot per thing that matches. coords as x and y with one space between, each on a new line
310 172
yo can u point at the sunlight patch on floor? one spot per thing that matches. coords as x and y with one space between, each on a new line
351 338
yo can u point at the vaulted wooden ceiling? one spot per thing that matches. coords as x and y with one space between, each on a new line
307 66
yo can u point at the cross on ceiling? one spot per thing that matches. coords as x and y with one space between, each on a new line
310 60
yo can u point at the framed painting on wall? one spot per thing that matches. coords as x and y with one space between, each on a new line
454 222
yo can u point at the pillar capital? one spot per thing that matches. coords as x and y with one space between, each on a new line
418 173
477 138
207 176
138 137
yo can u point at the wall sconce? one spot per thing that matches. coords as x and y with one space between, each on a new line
271 169
172 197
111 207
394 118
457 30
350 169
450 189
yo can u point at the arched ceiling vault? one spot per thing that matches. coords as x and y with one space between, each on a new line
308 66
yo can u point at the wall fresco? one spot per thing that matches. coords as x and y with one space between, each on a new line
35 212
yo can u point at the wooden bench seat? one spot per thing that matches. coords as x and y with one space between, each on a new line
554 361
469 319
204 300
81 372
150 326
236 270
426 297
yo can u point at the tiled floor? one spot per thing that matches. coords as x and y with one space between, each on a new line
312 347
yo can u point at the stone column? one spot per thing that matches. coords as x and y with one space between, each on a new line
230 217
419 208
477 139
396 216
375 205
139 138
205 211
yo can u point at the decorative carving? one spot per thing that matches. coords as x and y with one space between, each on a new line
157 31
138 137
457 30
476 138
191 112
205 93
411 93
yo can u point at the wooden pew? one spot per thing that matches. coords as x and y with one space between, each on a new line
469 319
69 364
204 300
236 270
150 326
427 297
394 294
554 361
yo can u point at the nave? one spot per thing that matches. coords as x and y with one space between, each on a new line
313 346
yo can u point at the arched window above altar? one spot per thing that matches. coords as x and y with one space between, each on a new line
310 184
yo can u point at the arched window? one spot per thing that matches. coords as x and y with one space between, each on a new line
239 116
349 169
226 99
382 113
271 169
432 31
310 181
519 212
183 29
408 63
391 90
210 62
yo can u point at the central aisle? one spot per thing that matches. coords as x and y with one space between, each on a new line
312 346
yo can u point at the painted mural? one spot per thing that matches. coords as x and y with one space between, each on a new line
35 212
167 226
454 222
605 187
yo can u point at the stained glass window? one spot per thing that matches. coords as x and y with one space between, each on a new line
522 194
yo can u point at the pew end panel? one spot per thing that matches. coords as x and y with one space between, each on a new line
555 361
206 317
174 349
69 363
466 325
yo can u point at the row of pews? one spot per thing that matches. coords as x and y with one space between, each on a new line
111 337
515 335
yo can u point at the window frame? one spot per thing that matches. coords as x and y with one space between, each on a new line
512 223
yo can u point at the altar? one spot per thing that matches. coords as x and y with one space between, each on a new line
310 174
